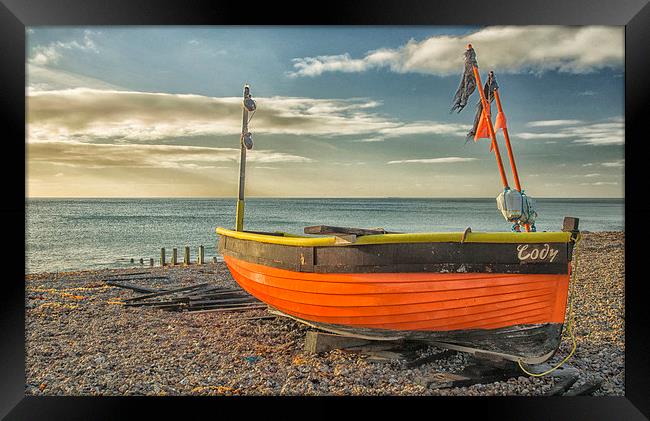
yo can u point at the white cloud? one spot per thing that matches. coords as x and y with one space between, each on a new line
42 78
43 55
592 175
95 156
587 93
122 116
609 132
511 49
550 123
446 160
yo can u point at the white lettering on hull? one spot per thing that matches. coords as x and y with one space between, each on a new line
526 253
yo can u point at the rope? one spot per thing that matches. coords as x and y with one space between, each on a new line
571 322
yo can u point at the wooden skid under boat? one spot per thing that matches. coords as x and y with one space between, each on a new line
500 293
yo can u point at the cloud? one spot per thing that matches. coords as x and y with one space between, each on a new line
95 156
609 132
446 160
510 49
50 54
592 175
550 123
122 116
587 93
42 78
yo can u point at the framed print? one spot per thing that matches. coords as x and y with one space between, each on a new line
376 204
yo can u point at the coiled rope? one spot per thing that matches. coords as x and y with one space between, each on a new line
569 327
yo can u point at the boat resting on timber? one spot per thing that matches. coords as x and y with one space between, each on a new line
496 293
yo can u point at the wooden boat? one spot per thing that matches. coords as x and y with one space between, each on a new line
498 293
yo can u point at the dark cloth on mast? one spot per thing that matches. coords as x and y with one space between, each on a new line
467 83
488 89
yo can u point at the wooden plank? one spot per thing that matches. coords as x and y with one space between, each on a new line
224 301
223 310
331 230
135 278
136 288
589 387
316 342
170 291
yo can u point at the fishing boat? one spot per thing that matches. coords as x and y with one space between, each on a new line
501 294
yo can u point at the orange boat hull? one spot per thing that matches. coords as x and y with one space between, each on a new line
408 301
488 297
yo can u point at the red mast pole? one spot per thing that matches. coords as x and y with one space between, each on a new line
504 180
511 157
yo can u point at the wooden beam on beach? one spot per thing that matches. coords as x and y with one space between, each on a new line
186 257
162 256
174 256
136 288
170 291
562 386
134 278
223 310
201 258
589 387
316 342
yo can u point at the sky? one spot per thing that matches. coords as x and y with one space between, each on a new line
341 111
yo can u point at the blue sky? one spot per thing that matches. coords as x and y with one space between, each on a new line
342 111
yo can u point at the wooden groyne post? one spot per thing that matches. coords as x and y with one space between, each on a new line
186 259
174 256
162 256
201 255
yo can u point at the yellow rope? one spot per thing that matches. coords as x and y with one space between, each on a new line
569 327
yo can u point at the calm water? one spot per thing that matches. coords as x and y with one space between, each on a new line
71 234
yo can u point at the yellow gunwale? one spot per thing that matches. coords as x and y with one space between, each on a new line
424 237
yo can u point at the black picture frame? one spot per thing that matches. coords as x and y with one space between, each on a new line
15 15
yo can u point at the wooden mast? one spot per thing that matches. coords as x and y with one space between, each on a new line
479 86
239 223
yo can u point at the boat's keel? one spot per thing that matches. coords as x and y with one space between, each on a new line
532 344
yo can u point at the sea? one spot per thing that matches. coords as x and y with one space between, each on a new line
78 234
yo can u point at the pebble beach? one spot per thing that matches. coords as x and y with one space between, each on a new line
81 340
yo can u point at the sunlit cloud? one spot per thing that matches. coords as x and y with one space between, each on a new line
446 160
88 115
95 156
51 53
511 49
551 123
610 132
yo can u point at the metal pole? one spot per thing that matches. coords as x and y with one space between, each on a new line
239 223
479 86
